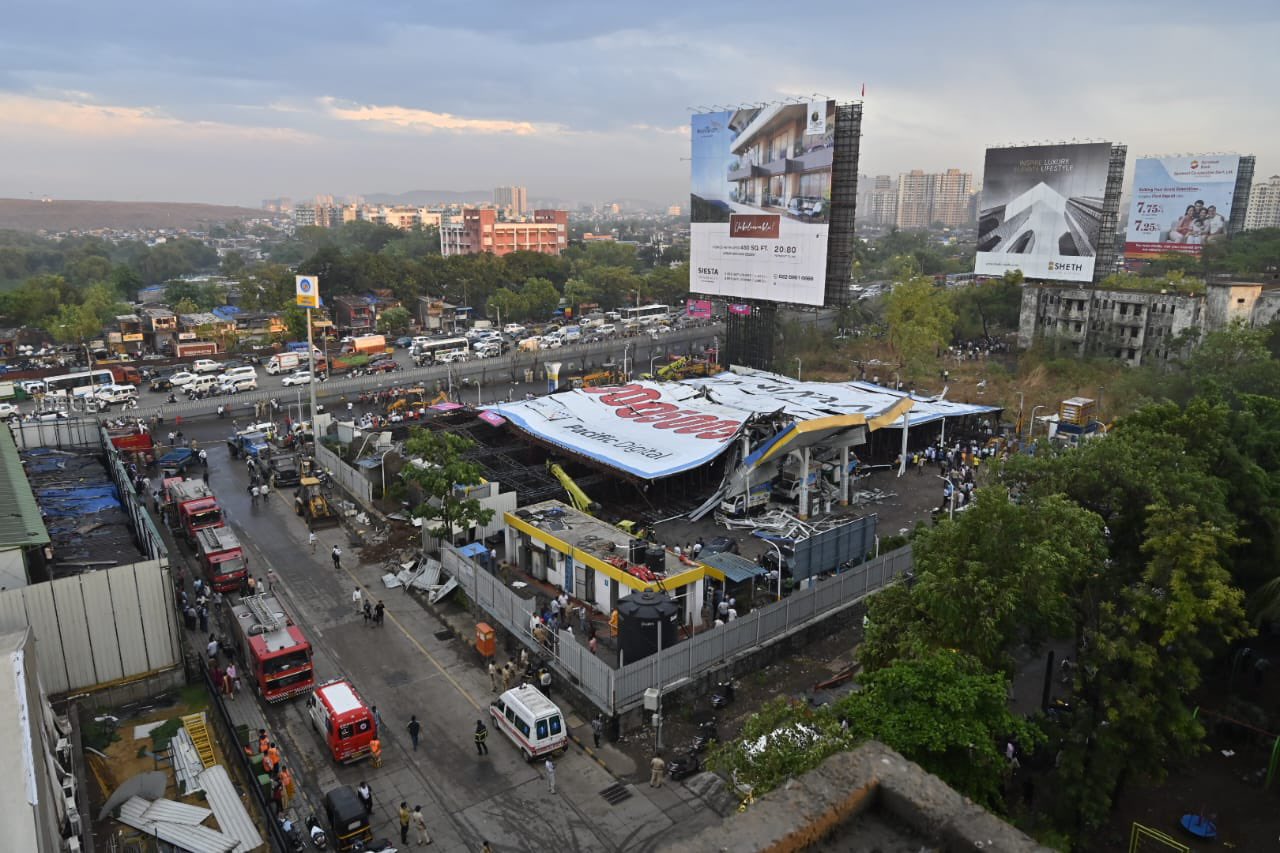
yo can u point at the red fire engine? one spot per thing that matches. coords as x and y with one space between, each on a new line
276 656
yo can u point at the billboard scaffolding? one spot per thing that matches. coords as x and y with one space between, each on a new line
1042 210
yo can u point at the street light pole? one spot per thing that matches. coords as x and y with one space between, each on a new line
1031 430
799 370
777 551
652 359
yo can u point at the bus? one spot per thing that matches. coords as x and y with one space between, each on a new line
429 352
81 384
646 314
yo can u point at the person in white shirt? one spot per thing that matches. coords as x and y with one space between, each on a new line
356 600
1214 224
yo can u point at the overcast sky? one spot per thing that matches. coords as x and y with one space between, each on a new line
234 102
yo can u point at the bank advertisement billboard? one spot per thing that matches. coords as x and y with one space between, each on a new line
1179 204
1041 210
761 200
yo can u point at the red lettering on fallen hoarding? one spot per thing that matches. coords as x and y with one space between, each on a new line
644 406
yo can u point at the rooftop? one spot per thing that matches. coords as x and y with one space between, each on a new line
586 533
20 522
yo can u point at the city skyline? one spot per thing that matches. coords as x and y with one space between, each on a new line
236 103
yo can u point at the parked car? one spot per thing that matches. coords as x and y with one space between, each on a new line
8 410
298 377
181 378
205 365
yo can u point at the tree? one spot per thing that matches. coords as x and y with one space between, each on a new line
439 468
295 321
948 714
74 324
920 320
540 297
995 302
508 304
394 320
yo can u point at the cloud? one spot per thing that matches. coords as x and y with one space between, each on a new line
93 120
427 121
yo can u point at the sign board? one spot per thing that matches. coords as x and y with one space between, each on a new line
761 200
698 309
132 337
1180 203
647 429
307 288
1041 210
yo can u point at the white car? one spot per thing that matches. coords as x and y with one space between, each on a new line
242 383
32 386
451 356
552 342
182 377
513 329
301 377
8 410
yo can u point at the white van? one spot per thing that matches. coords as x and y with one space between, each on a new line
449 356
608 330
115 394
232 384
534 723
284 362
236 374
205 383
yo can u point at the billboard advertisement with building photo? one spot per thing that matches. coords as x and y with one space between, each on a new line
1179 204
761 200
1041 210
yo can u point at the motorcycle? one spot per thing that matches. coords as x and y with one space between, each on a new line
382 845
292 834
723 694
319 840
683 764
705 735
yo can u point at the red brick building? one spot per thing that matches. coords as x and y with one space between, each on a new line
481 231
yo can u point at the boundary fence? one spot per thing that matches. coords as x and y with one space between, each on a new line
618 691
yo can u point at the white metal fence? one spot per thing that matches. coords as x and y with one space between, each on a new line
617 691
346 476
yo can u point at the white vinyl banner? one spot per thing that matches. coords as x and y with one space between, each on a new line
648 429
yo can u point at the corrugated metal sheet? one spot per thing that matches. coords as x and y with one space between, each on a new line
136 812
173 811
101 621
228 809
186 762
128 619
736 568
20 521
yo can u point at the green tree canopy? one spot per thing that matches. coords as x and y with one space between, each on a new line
439 468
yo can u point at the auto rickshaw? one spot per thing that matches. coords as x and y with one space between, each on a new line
347 819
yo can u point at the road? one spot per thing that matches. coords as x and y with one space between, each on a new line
497 376
404 668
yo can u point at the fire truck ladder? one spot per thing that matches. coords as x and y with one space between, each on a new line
266 618
199 732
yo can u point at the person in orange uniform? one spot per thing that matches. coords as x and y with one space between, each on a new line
286 782
273 755
375 747
613 623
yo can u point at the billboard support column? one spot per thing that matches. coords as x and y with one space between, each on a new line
803 505
844 475
307 293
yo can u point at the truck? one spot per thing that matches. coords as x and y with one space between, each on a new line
369 345
280 469
222 558
286 362
275 652
343 719
193 508
130 439
250 444
176 461
124 374
739 505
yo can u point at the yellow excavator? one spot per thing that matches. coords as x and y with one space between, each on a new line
310 503
681 368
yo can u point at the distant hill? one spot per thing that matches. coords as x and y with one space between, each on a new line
425 198
69 215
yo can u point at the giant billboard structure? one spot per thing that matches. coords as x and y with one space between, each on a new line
1180 203
761 202
1042 210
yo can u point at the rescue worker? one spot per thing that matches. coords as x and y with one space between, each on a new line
482 734
375 749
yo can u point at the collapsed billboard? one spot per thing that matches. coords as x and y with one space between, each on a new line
1179 204
761 201
1041 210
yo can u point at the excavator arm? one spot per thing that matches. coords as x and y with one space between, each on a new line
577 497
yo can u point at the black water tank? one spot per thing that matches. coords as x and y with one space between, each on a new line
635 553
640 617
655 558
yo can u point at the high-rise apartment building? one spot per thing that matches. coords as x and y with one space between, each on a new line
480 232
881 206
514 201
1264 205
925 198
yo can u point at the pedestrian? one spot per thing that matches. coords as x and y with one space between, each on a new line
252 583
336 553
204 457
311 540
274 754
420 826
271 580
484 847
286 782
493 676
378 610
356 600
277 797
253 495
656 768
377 721
593 644
415 729
366 796
264 742
368 613
544 680
481 735
212 648
551 774
375 750
597 729
203 614
229 677
404 822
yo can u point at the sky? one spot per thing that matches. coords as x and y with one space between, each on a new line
235 102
